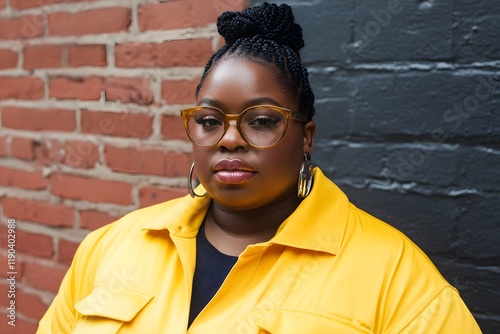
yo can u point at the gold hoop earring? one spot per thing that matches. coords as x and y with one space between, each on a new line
190 184
305 177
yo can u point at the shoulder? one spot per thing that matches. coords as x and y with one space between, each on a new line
409 283
377 234
379 239
119 244
133 221
407 276
124 230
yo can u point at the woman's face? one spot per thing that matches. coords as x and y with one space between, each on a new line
235 174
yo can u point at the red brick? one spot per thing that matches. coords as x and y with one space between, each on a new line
13 177
91 220
29 88
179 91
3 146
42 56
79 154
147 161
49 152
176 14
40 212
23 148
97 21
117 124
3 235
138 161
8 59
38 119
88 88
185 14
86 55
220 43
25 27
128 90
4 268
172 127
34 244
173 53
92 190
22 326
43 277
3 4
221 6
24 4
151 195
30 305
66 251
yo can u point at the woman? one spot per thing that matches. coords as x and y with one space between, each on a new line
265 244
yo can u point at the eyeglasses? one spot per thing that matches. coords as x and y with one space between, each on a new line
261 126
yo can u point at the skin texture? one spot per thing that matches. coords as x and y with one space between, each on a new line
251 210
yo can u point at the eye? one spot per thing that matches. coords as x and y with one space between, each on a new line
208 121
264 121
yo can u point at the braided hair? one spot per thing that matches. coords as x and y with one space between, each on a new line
267 34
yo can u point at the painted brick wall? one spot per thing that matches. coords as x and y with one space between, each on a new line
90 93
408 109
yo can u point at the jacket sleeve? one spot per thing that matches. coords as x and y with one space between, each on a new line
447 313
77 283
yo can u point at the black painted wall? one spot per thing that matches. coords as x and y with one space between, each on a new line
408 114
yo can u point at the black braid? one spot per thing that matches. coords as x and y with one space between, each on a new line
268 34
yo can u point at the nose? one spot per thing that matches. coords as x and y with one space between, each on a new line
232 140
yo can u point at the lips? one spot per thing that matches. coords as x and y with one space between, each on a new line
233 171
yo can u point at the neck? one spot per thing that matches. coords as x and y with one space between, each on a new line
232 231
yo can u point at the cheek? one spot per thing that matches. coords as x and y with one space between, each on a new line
201 158
285 159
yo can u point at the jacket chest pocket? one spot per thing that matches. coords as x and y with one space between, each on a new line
106 308
295 322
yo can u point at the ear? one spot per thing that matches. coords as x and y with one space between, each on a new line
309 132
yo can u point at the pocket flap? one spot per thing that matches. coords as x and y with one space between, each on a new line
296 321
118 303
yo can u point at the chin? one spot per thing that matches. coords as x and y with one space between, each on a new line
237 199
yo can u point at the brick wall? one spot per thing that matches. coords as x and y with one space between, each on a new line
408 114
90 93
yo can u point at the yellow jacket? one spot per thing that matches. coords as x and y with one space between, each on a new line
331 268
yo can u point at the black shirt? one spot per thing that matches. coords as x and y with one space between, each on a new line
211 270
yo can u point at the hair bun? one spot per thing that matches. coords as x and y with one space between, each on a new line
268 21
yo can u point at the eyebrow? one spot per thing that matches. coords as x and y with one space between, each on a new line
249 103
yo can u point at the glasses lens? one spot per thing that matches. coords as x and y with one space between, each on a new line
205 126
263 126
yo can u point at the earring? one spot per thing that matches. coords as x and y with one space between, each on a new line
190 184
305 177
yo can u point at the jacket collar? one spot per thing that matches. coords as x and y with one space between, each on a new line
318 223
182 217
